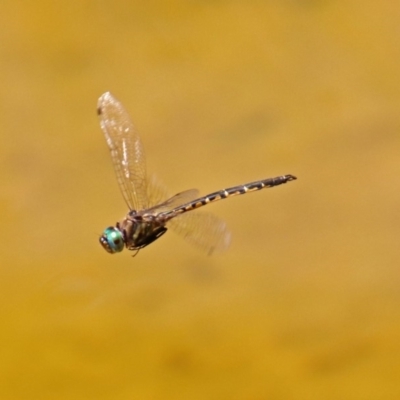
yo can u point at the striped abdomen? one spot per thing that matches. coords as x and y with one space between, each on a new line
233 191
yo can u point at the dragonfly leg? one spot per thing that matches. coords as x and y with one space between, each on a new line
158 232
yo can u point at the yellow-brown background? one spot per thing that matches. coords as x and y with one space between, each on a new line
305 304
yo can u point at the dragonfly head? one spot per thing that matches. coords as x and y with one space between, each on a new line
112 240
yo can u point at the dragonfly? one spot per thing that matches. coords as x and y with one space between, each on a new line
149 218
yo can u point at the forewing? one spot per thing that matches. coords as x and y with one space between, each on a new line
203 230
126 151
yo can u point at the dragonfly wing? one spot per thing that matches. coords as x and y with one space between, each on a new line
203 230
126 151
175 201
156 191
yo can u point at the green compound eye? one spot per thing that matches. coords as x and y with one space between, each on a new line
112 240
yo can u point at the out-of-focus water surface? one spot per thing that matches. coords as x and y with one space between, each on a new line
305 304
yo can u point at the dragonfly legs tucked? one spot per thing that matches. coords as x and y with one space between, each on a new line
158 232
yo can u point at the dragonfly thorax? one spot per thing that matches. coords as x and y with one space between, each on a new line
141 229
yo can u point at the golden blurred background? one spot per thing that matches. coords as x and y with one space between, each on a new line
306 302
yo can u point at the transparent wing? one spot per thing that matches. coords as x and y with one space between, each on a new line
156 192
126 151
175 201
203 230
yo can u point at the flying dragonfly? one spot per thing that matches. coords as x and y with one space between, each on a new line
147 219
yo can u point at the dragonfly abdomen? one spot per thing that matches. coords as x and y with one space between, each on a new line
230 192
